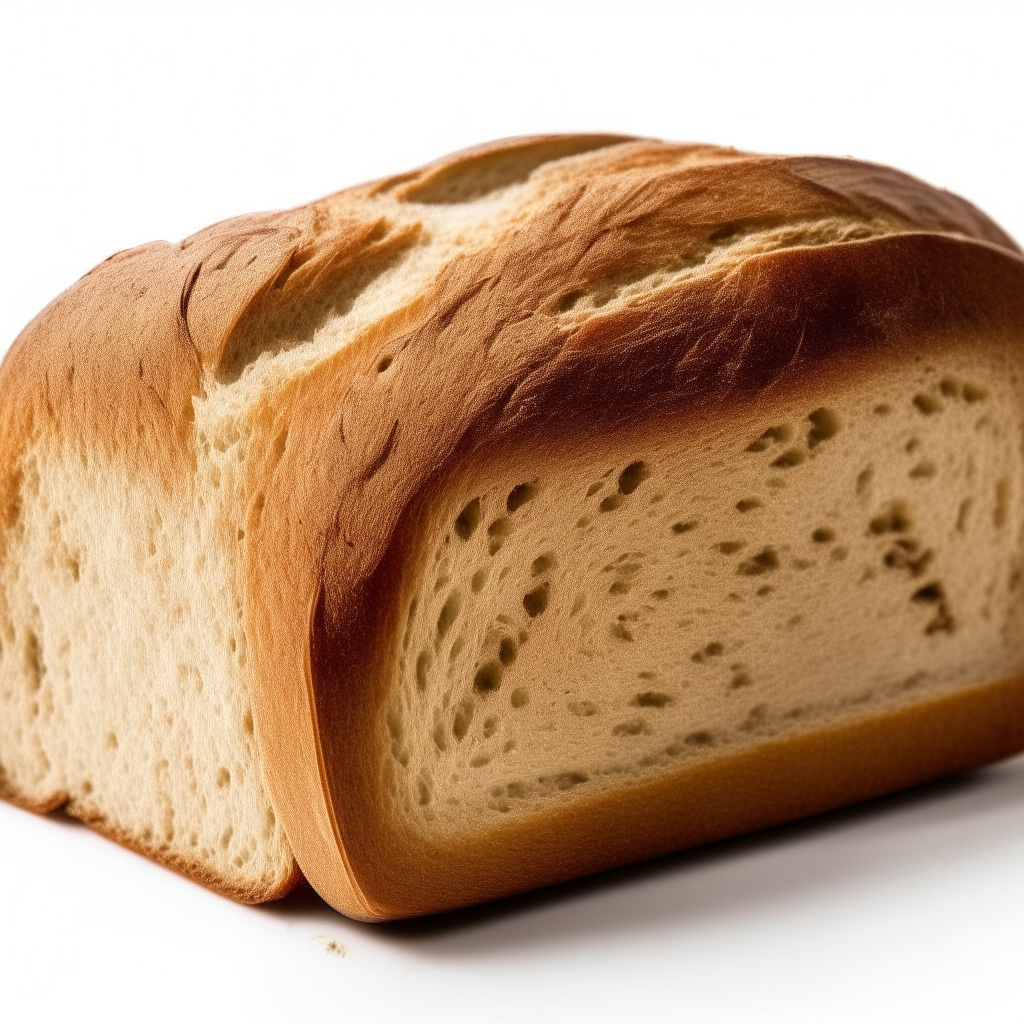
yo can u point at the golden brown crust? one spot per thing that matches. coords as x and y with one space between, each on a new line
193 868
491 361
861 261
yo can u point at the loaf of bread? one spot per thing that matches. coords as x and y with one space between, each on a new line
566 502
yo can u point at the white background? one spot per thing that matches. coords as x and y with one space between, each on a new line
121 123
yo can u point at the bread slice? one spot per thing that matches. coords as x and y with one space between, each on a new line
566 502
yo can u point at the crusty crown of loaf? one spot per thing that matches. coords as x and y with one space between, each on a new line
371 340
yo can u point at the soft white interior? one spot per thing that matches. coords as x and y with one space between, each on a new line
584 622
124 661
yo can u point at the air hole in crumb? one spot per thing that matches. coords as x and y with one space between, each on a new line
498 531
824 425
479 579
423 663
468 520
652 699
223 778
542 563
896 519
659 595
384 364
583 708
1001 510
519 496
594 488
395 724
962 514
739 680
765 561
864 479
619 587
463 718
730 547
568 302
611 503
633 476
927 404
905 554
823 535
882 410
747 504
519 697
948 387
790 458
449 612
488 677
508 651
620 631
700 738
712 650
566 780
684 527
34 661
536 601
780 434
942 621
973 393
440 737
923 470
491 726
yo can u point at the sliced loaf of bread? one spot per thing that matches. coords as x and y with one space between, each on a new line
566 502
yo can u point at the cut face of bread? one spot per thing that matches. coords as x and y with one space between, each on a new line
123 691
584 617
566 502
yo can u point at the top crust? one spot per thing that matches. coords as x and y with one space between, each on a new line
623 280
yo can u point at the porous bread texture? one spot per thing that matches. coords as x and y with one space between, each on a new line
124 682
584 619
123 673
209 450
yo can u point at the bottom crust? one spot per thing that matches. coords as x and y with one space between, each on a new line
191 868
769 785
